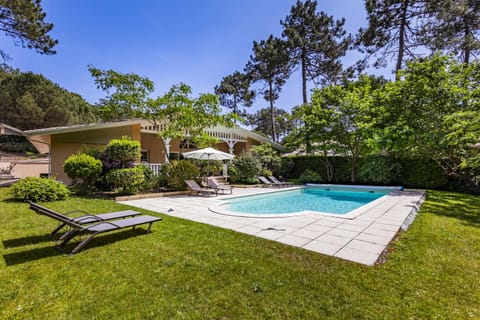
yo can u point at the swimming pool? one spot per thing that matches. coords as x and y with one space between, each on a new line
325 199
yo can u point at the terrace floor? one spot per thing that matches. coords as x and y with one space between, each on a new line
361 239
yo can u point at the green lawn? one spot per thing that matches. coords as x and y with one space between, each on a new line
187 270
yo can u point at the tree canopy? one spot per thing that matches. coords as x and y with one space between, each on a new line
24 20
234 91
30 101
316 42
269 65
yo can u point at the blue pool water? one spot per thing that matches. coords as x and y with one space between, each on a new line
312 199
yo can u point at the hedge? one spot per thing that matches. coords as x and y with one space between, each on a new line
409 172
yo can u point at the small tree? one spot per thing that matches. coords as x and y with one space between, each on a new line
121 153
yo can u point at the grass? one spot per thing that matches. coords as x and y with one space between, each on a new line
187 270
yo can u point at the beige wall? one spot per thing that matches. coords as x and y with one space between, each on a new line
66 144
154 145
29 168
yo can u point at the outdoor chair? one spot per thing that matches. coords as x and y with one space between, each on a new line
75 228
267 183
212 183
193 186
85 218
280 183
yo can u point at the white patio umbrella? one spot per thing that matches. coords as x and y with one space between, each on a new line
208 154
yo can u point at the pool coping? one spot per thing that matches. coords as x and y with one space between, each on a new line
362 239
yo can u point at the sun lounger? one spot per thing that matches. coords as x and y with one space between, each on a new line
278 182
267 183
193 186
212 183
85 218
92 229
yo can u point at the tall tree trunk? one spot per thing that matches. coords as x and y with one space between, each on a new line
401 39
304 76
235 109
466 45
272 109
308 145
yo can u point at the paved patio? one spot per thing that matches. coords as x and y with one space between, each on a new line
361 239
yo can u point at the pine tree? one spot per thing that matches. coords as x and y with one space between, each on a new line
316 43
269 64
23 20
393 30
454 27
234 91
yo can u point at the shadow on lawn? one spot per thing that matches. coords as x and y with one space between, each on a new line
460 206
45 252
12 243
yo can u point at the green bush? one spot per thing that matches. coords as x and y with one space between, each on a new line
39 189
151 181
246 169
286 167
418 172
410 172
14 143
124 151
379 170
310 176
126 180
82 167
268 157
174 174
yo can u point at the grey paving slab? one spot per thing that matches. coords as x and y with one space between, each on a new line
322 247
360 239
293 240
357 256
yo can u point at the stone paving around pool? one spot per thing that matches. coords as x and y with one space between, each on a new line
361 239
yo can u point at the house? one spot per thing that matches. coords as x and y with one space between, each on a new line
65 141
14 164
9 130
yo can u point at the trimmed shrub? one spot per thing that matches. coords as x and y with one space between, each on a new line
378 170
126 180
423 173
310 176
121 153
247 169
286 167
39 189
82 167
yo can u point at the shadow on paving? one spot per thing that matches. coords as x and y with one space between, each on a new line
463 207
45 252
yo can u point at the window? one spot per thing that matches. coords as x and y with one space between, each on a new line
145 157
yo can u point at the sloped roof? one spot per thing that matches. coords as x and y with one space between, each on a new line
85 127
80 127
5 127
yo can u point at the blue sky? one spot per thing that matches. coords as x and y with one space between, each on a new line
197 42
